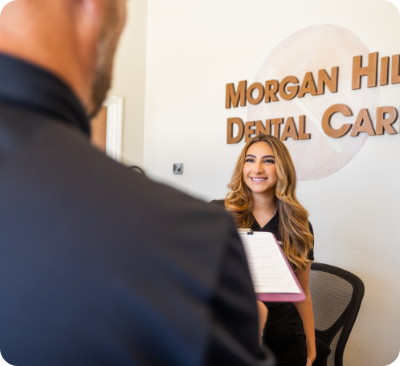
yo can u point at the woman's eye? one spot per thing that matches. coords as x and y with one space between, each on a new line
269 161
249 160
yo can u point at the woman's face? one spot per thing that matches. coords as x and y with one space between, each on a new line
259 169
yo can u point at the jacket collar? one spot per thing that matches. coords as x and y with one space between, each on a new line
32 87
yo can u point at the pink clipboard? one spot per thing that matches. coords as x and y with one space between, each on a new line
283 297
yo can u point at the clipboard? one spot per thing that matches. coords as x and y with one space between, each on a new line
282 263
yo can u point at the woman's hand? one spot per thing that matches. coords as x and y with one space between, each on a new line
310 358
262 318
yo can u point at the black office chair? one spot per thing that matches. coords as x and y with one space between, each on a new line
337 296
137 169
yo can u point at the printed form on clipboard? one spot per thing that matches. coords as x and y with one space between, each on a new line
273 277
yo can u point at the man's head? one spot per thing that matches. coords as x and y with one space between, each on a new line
75 39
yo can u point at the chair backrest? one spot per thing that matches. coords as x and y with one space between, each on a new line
337 296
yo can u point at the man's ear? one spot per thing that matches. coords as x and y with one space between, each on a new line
90 10
89 15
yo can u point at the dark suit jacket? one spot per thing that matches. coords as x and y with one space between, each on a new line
99 265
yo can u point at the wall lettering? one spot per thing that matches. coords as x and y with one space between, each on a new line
290 87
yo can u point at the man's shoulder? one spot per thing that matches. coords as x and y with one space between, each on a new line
136 199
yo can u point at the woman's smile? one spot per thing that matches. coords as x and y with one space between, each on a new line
258 179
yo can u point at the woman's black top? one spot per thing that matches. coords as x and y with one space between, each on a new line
278 308
272 227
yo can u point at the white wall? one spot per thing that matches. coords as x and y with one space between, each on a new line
129 81
195 48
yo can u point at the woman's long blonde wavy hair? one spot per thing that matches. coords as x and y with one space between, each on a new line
294 231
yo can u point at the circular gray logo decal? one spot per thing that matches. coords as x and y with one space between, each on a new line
309 50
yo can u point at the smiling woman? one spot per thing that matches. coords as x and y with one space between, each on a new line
263 197
263 185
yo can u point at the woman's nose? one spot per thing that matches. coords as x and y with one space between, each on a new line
258 168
